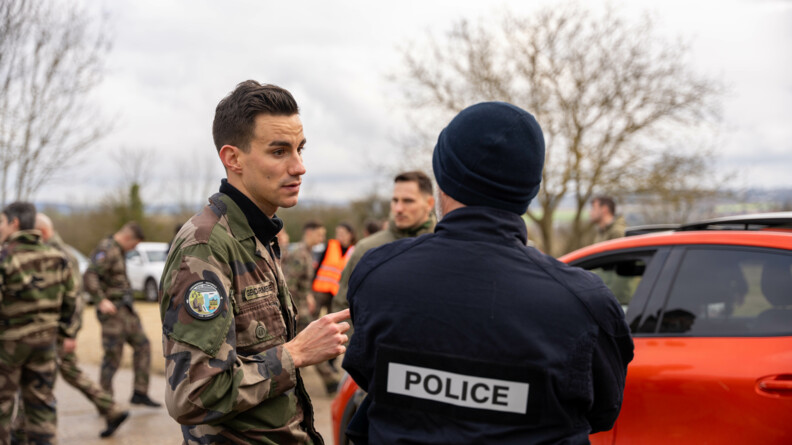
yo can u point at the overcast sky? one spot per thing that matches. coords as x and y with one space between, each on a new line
172 61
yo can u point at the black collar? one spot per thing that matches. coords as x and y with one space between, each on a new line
483 224
264 228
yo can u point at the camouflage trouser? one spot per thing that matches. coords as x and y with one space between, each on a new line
28 365
74 376
67 365
124 327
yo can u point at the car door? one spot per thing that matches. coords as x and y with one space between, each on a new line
713 351
631 274
135 269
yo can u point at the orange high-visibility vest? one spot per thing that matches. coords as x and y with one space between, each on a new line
329 274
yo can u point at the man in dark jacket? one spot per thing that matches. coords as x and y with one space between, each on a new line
469 336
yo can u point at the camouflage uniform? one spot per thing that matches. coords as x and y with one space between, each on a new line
67 362
106 278
376 240
614 230
74 376
298 268
230 379
37 303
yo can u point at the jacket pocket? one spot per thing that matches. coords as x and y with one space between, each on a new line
259 325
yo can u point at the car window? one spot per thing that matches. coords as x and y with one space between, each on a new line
156 255
622 278
719 292
133 255
622 272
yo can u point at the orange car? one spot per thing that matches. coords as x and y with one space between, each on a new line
710 308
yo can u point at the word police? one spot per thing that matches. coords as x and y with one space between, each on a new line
457 389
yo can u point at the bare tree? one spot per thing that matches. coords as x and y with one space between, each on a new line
608 94
195 180
51 59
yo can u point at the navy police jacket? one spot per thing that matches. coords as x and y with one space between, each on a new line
469 336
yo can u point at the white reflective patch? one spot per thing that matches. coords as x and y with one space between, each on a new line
458 389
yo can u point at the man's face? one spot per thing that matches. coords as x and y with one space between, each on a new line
595 215
409 207
313 237
271 170
128 243
7 227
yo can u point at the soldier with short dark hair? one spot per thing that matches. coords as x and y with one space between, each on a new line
37 304
607 224
107 283
411 214
233 366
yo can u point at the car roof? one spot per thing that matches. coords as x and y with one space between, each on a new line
150 245
758 238
755 221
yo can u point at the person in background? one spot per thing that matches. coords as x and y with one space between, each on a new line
331 264
69 369
107 283
467 335
606 224
299 268
412 214
325 288
37 305
371 227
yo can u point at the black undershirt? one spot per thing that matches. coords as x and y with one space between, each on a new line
264 228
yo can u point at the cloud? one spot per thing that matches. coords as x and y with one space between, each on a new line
173 61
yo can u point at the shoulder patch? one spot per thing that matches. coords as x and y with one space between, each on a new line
203 300
100 255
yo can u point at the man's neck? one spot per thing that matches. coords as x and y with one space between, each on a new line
236 181
605 221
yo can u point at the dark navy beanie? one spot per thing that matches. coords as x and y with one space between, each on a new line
491 154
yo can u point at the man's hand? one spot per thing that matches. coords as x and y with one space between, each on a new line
69 345
107 307
320 341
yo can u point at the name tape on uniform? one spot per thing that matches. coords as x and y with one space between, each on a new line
458 389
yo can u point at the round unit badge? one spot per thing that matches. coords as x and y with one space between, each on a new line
203 300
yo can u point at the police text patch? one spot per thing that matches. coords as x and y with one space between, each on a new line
459 387
203 300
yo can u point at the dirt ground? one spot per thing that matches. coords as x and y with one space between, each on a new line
79 424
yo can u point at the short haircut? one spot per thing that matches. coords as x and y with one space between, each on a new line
235 115
135 229
418 177
606 201
25 212
311 225
372 226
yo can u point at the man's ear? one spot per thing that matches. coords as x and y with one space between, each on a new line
229 156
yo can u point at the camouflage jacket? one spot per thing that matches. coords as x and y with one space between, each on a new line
106 275
298 267
37 291
376 240
226 313
614 230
